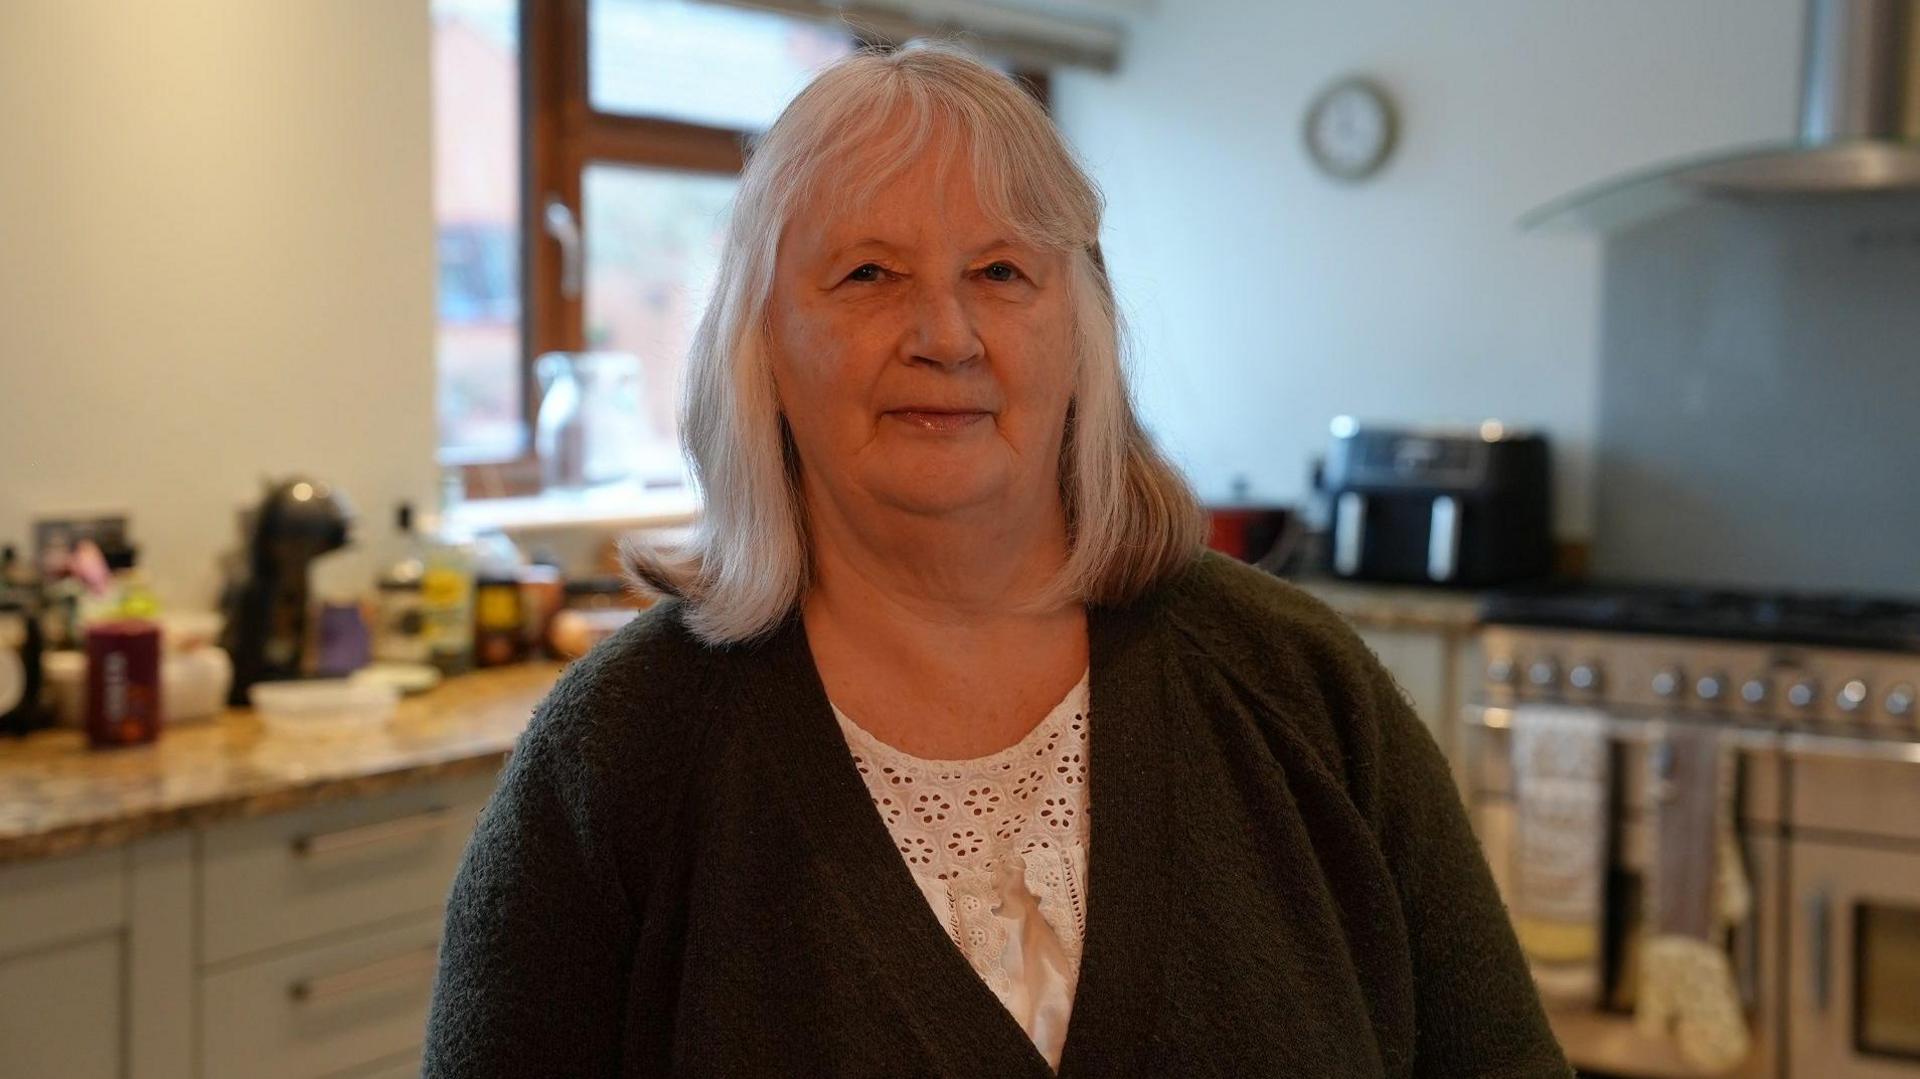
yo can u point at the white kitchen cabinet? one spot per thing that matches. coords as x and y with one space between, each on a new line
301 876
289 945
321 1010
61 955
61 899
1421 661
1438 668
61 1011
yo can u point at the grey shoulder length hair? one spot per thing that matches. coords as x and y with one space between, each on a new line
1132 520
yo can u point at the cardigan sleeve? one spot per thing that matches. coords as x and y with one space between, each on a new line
532 977
1476 1010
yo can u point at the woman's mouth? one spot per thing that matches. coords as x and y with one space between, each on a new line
938 419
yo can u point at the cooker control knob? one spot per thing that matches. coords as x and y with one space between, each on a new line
1501 672
1803 693
1900 700
1851 696
1668 682
1544 673
1711 687
1755 691
1585 677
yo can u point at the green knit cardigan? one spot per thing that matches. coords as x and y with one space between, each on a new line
681 872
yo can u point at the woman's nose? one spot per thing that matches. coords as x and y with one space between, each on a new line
943 332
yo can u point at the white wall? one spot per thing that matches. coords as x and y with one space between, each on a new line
1265 300
216 247
216 263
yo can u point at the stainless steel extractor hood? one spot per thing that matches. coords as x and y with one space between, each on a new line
1859 130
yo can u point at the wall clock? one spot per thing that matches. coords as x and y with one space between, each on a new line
1350 129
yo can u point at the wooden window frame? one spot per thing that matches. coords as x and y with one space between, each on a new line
561 135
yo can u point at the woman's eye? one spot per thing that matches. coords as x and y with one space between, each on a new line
1001 271
866 272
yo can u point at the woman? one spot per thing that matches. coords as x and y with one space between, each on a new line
952 754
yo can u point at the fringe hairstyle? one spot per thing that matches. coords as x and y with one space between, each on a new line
1132 520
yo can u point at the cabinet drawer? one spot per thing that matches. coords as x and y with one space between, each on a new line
61 899
299 876
357 1003
60 1012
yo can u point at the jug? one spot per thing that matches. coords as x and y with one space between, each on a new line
590 425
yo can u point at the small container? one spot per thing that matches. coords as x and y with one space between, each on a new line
400 627
400 615
123 683
345 644
20 667
446 595
575 632
194 684
498 621
323 706
65 672
542 594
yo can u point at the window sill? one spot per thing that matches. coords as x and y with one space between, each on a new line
623 507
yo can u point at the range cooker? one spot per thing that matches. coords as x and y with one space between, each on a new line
1814 700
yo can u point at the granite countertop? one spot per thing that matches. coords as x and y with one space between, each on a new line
57 797
1387 606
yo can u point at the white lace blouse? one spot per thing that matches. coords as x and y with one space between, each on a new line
998 845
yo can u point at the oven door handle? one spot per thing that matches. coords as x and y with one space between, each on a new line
1651 728
1819 924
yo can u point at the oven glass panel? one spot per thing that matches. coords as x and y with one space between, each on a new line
1887 969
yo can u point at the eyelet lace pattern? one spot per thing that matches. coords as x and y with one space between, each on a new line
959 824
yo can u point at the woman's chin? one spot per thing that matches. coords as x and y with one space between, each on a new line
939 491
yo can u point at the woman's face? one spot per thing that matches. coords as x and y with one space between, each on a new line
923 354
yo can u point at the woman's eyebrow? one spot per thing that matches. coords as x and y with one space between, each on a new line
871 241
998 243
1008 243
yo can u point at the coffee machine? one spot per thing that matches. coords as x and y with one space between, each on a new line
296 522
1467 507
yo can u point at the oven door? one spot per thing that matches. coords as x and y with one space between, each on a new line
1855 991
1608 1040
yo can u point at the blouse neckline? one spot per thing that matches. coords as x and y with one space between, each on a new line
834 819
1057 717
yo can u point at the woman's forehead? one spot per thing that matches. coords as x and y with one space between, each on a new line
917 205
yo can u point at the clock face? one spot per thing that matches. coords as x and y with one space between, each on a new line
1350 129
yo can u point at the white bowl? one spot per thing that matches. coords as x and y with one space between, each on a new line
323 706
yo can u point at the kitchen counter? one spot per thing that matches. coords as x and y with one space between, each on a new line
1386 606
57 797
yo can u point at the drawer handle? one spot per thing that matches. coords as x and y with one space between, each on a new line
386 831
1819 925
399 968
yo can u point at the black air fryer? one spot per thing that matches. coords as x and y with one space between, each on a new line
1470 507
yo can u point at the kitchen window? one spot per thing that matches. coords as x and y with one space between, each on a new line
586 155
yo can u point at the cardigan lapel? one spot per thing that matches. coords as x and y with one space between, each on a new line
1129 891
956 1017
